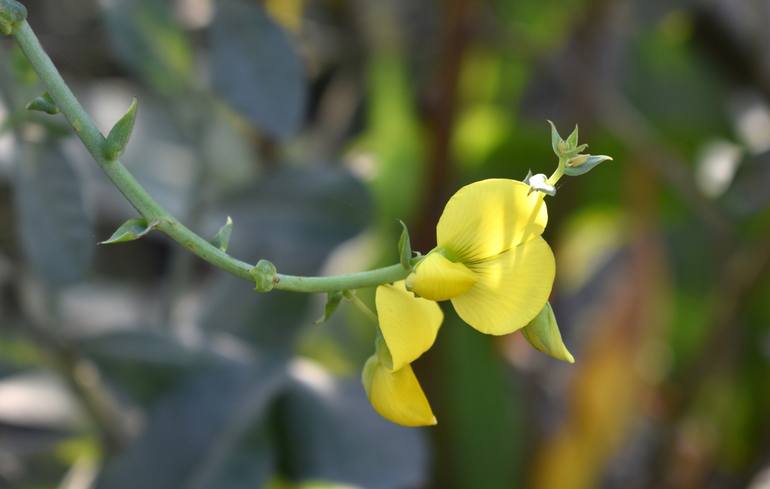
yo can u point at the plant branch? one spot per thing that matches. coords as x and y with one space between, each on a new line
94 142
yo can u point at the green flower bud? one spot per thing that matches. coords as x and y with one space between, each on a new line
12 13
543 334
265 276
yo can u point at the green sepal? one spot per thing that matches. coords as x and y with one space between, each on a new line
572 139
581 166
265 276
222 239
405 247
556 140
12 13
543 334
43 103
117 139
131 230
333 300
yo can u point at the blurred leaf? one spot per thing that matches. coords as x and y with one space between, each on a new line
43 103
130 230
294 218
405 247
333 300
255 68
191 432
147 39
119 135
222 238
55 231
331 433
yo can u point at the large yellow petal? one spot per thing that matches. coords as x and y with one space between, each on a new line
438 279
513 288
488 217
396 396
408 324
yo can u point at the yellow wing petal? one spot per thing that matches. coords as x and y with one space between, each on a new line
408 324
486 218
396 396
513 288
438 279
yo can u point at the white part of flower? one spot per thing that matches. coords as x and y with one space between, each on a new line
540 182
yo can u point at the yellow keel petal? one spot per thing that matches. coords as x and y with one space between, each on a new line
396 396
409 324
512 289
438 279
486 218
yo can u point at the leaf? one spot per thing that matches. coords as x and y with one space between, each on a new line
222 239
148 40
587 166
256 69
131 230
117 139
333 300
55 230
192 433
331 433
572 139
405 247
43 103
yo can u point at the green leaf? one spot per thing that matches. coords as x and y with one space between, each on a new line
585 166
405 247
543 334
117 139
222 238
131 230
256 69
333 300
43 103
330 432
147 39
55 230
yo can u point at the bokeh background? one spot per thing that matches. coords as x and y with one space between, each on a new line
316 124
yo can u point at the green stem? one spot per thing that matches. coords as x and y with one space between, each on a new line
94 141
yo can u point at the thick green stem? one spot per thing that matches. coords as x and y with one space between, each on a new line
94 141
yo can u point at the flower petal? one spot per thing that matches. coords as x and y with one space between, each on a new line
396 396
486 218
438 279
513 288
409 324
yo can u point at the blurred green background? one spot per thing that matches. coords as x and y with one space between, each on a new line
316 124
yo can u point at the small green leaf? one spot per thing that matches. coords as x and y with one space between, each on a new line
44 103
586 165
119 135
556 140
12 13
131 230
222 238
543 334
265 276
333 300
405 247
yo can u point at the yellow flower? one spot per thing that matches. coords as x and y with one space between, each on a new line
490 259
409 326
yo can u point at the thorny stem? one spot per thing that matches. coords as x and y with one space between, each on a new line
94 142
